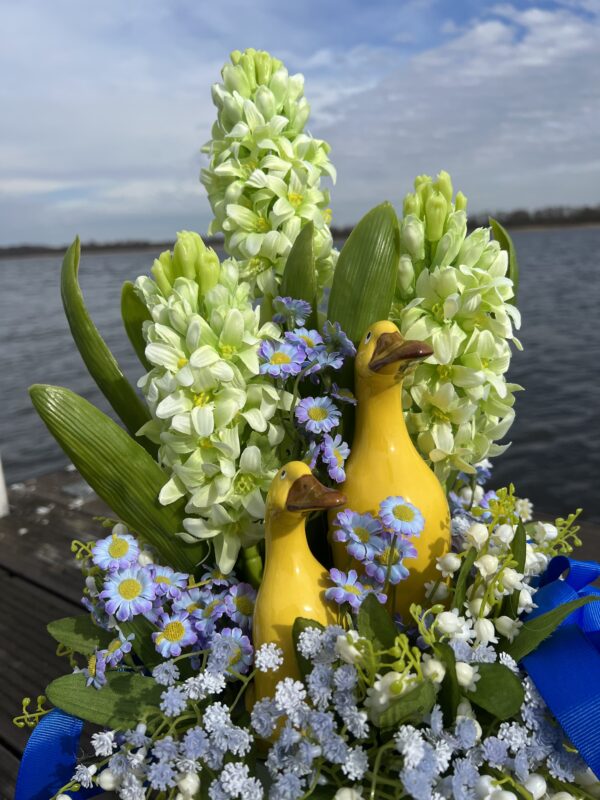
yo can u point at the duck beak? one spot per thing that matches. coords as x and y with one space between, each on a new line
308 494
391 348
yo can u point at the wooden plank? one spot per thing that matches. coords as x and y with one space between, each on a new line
9 766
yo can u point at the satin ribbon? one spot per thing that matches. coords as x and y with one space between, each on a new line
50 758
565 667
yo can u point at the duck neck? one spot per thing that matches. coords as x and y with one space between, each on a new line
290 539
379 410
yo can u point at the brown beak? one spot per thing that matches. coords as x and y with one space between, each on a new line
308 494
392 348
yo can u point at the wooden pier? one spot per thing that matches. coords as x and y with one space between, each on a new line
40 581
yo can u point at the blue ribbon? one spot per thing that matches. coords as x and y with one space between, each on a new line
50 758
565 668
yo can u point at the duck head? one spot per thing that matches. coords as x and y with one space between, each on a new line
384 355
295 492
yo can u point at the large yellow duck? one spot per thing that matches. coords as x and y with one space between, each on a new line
384 461
294 582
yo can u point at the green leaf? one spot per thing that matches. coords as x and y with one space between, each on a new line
411 706
301 624
79 634
498 691
120 704
100 362
535 630
134 313
142 644
518 548
365 276
450 695
125 476
375 623
299 278
502 236
460 591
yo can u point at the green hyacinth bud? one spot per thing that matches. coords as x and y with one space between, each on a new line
443 184
263 66
423 188
186 253
436 209
411 205
460 202
208 270
449 245
265 102
235 80
412 237
160 276
473 247
406 275
279 84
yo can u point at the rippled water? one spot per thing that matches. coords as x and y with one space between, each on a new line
555 456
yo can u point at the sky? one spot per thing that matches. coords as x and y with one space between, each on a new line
104 106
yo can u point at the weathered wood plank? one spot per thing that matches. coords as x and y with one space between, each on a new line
9 766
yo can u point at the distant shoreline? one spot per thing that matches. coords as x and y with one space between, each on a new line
31 251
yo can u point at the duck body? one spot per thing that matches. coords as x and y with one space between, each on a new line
294 582
384 462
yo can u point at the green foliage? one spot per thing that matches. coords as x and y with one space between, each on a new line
535 630
301 624
498 691
365 276
374 623
134 313
79 634
503 238
100 362
460 590
518 548
120 704
411 706
299 278
142 644
449 695
119 469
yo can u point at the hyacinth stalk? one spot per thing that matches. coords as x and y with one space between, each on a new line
454 293
264 174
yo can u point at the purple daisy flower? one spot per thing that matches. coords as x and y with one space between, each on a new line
176 632
168 582
343 395
95 671
400 516
280 359
239 604
334 454
373 587
128 593
378 567
347 589
312 454
362 533
117 649
216 577
118 551
336 339
242 652
310 340
291 312
317 414
190 600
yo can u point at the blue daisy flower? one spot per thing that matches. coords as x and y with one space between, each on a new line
280 359
334 454
95 671
312 454
343 395
361 532
401 517
239 604
387 561
168 582
347 588
291 312
241 650
118 551
310 340
215 577
317 414
128 593
190 601
117 649
336 339
176 632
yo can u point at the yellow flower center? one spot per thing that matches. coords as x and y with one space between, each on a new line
114 645
362 534
262 225
310 342
485 363
174 631
351 589
129 589
445 372
244 605
295 199
181 363
162 579
192 607
280 358
404 513
202 398
227 350
317 413
118 547
205 442
386 555
338 457
92 666
327 216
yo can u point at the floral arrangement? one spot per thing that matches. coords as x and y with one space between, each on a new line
415 663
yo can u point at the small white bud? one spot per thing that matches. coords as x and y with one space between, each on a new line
526 603
347 793
504 534
562 796
484 631
433 669
448 564
107 780
189 784
535 785
477 535
345 649
487 565
502 794
484 786
507 627
511 579
145 558
467 675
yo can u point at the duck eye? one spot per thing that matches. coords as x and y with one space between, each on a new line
282 474
368 337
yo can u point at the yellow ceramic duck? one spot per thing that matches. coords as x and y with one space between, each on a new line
294 582
385 462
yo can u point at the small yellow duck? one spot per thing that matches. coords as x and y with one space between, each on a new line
294 582
384 461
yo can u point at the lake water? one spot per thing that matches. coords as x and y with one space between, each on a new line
555 455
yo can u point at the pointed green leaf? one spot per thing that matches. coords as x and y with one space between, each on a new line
299 278
120 704
374 623
411 706
79 634
450 694
125 476
365 276
100 362
502 236
301 624
535 630
142 644
460 591
134 313
518 548
498 691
